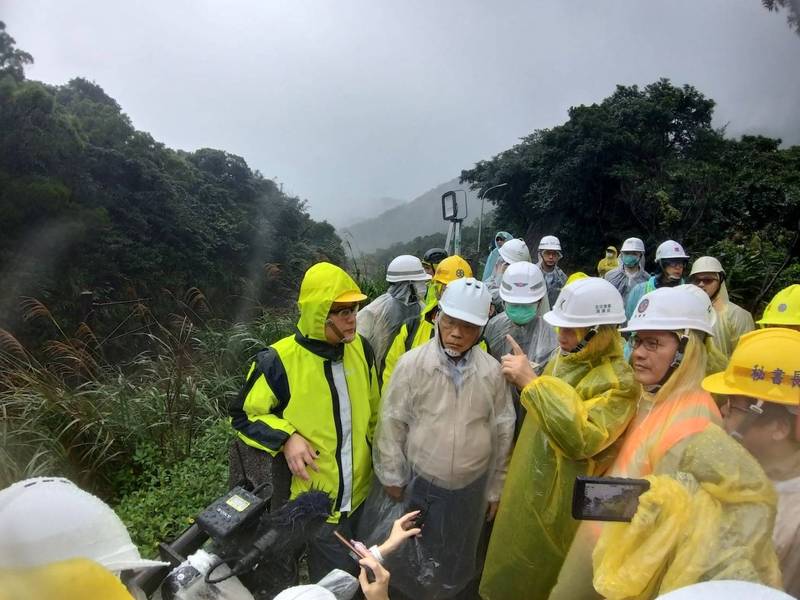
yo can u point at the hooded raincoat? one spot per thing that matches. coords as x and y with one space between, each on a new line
537 339
444 435
708 514
625 281
732 322
488 269
576 412
607 264
555 280
328 394
382 318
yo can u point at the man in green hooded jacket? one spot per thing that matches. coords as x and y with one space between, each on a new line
313 396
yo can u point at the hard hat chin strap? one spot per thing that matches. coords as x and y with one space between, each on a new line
677 359
586 339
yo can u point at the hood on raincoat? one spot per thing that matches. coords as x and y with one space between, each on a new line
494 254
322 285
614 250
501 234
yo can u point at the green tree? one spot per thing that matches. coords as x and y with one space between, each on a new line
12 60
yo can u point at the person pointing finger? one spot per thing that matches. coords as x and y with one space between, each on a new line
516 367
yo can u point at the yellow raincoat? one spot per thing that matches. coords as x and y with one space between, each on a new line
576 412
710 518
732 322
608 264
328 394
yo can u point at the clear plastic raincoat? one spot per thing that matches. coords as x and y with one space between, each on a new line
554 280
537 339
576 412
382 318
444 435
494 255
625 281
732 322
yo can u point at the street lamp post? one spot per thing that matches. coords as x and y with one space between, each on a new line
480 223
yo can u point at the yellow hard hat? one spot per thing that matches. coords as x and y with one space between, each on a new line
784 308
576 277
764 365
452 268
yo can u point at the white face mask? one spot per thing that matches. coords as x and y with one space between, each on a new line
421 288
450 352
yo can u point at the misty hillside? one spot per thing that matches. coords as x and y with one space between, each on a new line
422 216
358 211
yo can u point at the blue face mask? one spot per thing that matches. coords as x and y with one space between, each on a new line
521 314
630 260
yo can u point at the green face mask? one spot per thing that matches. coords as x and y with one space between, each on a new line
630 260
521 314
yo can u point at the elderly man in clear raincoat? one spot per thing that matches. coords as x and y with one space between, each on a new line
442 444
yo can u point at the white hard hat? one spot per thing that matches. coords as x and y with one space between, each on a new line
673 309
467 299
632 245
670 249
585 303
706 264
306 592
549 242
522 283
406 268
50 519
515 250
725 590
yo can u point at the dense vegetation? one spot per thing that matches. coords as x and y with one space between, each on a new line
647 162
88 202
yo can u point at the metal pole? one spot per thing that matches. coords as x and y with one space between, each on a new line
480 223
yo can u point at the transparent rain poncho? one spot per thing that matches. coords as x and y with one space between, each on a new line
555 280
381 319
537 339
624 281
444 435
732 322
576 412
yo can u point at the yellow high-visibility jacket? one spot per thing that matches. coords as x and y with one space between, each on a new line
328 394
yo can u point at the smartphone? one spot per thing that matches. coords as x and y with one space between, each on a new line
357 552
606 498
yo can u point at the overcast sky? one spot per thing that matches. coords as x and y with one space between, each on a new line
344 101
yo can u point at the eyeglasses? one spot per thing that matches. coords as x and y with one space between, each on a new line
704 280
344 313
650 344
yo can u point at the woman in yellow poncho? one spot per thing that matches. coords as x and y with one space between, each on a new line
710 508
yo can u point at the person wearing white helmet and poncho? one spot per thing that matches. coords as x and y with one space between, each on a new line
576 411
380 320
732 320
549 254
709 510
523 291
630 272
512 251
442 443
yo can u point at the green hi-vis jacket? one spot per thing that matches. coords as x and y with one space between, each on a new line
414 332
328 394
